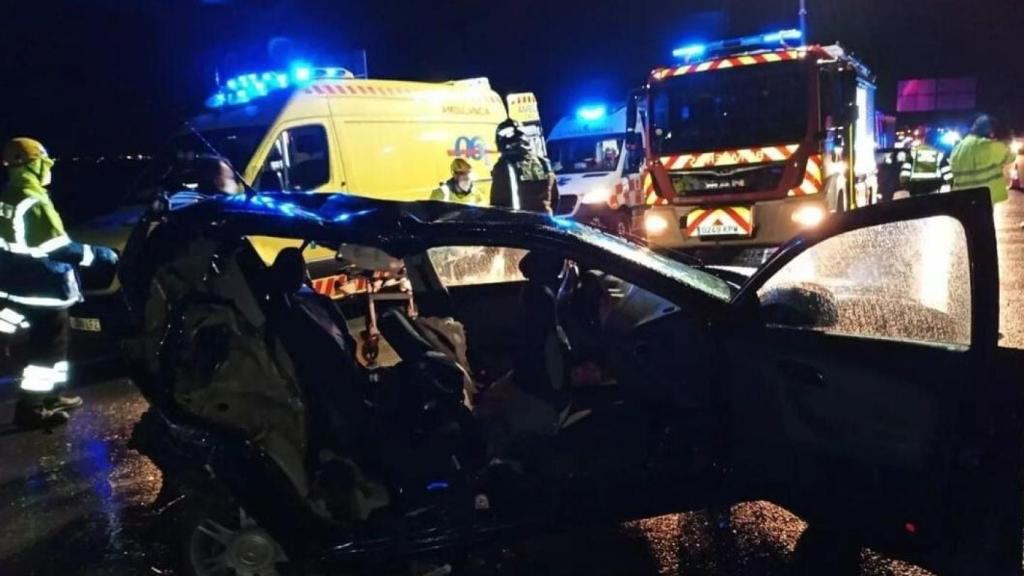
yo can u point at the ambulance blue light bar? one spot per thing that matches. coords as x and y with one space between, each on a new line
247 87
697 50
592 113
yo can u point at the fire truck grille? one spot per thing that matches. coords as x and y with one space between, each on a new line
735 180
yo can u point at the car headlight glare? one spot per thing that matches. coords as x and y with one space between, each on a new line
655 224
809 216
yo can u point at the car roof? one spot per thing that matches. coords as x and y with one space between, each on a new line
340 215
407 228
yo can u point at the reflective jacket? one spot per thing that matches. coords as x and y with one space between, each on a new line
449 192
525 182
925 163
980 162
37 259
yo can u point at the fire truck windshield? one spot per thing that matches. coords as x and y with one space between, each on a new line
729 109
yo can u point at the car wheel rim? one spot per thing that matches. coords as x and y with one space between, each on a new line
216 550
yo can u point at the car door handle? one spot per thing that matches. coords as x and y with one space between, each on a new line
801 373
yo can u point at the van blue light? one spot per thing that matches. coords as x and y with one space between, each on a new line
691 51
591 113
951 137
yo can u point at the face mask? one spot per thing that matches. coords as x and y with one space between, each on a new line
465 184
45 172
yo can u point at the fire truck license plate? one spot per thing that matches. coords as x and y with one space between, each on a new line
725 221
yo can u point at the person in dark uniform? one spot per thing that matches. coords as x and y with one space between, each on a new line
521 179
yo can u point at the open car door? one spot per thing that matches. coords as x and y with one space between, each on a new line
866 393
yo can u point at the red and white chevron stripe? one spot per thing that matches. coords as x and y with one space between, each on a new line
730 157
730 62
812 182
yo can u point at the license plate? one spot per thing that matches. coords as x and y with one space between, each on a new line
715 222
86 324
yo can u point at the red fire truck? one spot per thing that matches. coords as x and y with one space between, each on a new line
752 140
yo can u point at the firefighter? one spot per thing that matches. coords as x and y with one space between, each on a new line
521 180
459 188
925 168
980 160
38 283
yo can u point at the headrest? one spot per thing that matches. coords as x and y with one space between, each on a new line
288 273
541 266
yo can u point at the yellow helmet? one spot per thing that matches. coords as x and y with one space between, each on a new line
21 151
461 166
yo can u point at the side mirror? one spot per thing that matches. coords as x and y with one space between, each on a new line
634 152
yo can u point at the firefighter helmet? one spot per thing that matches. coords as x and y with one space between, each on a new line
510 136
21 151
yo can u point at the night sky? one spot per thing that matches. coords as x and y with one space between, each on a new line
102 76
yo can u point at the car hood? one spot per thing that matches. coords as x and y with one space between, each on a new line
111 230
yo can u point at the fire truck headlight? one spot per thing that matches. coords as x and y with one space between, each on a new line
655 224
596 196
809 216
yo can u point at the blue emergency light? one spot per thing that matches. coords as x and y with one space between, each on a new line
693 51
592 113
951 137
246 87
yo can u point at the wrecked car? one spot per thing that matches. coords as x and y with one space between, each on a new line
493 373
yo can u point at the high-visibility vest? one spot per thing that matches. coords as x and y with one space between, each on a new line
30 231
925 163
980 162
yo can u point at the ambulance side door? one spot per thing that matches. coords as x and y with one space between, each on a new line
301 156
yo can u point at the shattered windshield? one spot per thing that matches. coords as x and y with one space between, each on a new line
692 277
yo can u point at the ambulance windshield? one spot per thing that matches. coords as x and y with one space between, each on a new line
732 108
236 144
586 154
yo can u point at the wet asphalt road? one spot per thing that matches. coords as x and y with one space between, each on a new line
78 501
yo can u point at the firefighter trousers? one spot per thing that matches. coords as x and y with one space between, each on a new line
36 349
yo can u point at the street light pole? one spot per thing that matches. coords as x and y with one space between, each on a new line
803 20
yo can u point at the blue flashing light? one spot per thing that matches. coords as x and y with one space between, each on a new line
951 137
217 100
691 51
592 113
782 36
344 217
434 486
244 88
301 71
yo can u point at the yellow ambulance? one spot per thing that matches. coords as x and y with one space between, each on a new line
321 129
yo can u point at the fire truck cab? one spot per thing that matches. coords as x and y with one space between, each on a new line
749 147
